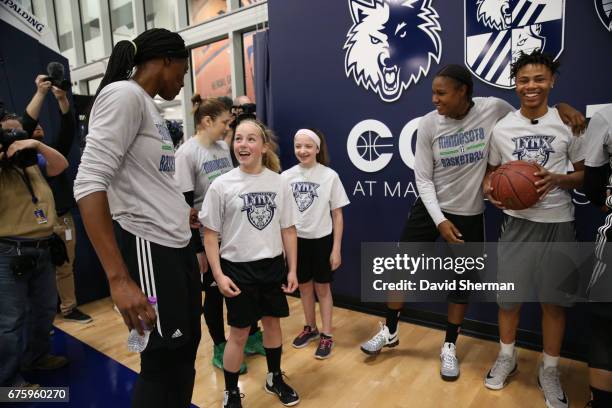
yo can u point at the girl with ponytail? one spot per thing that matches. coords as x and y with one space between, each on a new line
136 216
251 208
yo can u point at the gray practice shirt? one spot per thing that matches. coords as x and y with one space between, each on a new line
130 155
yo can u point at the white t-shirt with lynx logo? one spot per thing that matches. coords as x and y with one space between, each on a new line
198 165
316 191
550 144
249 211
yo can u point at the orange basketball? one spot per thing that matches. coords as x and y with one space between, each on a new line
513 185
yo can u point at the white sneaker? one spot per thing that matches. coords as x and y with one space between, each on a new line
503 368
449 365
382 339
550 384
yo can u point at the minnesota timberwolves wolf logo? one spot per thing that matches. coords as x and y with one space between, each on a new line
497 31
391 44
304 193
604 11
259 207
535 148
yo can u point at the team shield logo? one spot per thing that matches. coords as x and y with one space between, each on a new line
304 193
391 44
497 31
604 11
535 148
259 208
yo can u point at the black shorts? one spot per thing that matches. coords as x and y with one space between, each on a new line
208 282
172 276
600 342
600 280
313 259
419 227
256 299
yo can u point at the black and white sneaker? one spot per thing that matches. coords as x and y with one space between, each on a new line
78 317
550 383
381 339
231 399
276 385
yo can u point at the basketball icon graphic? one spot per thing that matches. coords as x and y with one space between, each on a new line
368 145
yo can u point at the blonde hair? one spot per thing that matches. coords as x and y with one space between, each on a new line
270 158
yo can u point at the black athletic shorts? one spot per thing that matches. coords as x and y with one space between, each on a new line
208 281
600 342
419 227
171 275
313 259
256 299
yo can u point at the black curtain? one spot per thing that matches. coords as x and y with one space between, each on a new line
262 77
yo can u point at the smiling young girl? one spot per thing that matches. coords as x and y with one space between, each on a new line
319 196
250 207
199 161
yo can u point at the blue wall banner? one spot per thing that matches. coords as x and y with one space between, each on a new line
361 72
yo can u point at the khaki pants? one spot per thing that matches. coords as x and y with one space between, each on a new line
64 274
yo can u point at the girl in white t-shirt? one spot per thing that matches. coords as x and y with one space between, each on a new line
199 161
250 207
319 197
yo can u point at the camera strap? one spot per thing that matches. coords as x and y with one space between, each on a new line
39 214
26 179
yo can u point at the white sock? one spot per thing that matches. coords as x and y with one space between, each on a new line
507 349
549 361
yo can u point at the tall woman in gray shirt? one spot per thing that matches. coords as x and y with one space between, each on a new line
136 216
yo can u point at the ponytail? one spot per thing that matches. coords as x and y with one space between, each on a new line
323 155
151 44
120 64
211 107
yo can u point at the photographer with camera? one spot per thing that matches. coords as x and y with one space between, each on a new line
61 185
27 277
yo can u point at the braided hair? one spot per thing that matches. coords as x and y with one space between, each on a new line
151 44
537 58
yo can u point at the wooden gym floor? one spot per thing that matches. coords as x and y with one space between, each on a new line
405 376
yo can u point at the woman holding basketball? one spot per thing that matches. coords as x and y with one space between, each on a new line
451 202
251 208
536 133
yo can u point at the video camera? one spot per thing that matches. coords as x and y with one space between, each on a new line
245 111
23 158
247 108
56 76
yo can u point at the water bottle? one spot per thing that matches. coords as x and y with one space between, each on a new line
137 343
